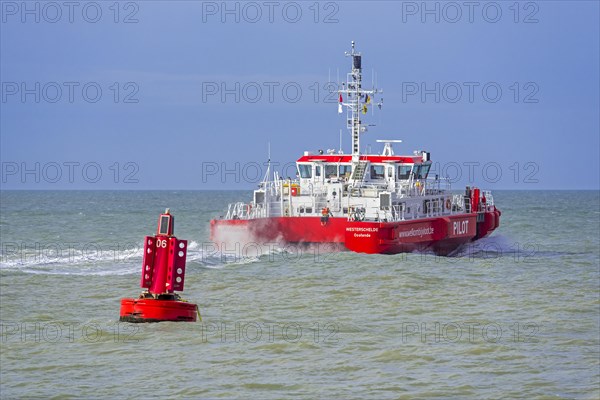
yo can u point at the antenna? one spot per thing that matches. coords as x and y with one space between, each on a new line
266 178
341 151
356 99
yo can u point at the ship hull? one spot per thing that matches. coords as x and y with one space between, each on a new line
442 235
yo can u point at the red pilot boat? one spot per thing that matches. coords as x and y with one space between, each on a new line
370 203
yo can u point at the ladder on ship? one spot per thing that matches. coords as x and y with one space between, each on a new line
358 171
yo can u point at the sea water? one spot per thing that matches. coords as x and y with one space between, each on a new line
514 315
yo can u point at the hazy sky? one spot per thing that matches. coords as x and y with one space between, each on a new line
187 94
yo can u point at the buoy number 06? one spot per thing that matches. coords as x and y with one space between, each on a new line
161 243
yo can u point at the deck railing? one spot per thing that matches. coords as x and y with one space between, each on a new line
279 205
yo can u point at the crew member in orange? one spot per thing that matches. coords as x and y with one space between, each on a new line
325 215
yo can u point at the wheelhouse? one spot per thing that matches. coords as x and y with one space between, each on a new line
377 169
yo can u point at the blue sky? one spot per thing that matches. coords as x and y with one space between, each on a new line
131 97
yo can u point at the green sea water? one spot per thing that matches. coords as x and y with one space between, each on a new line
515 315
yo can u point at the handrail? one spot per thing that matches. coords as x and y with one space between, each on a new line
425 200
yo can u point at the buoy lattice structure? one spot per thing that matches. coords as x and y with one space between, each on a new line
163 273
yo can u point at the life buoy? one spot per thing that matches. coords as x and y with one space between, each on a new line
448 204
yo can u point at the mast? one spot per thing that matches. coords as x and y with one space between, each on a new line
356 99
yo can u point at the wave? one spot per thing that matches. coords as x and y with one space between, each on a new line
220 255
114 261
71 258
103 260
498 246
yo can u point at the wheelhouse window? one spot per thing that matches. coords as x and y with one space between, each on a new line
416 172
377 171
404 171
305 171
345 171
330 171
424 170
317 170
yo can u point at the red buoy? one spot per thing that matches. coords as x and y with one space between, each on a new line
163 272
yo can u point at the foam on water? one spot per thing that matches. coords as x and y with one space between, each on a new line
72 261
238 250
493 246
96 261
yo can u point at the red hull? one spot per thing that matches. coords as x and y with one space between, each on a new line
442 234
151 310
